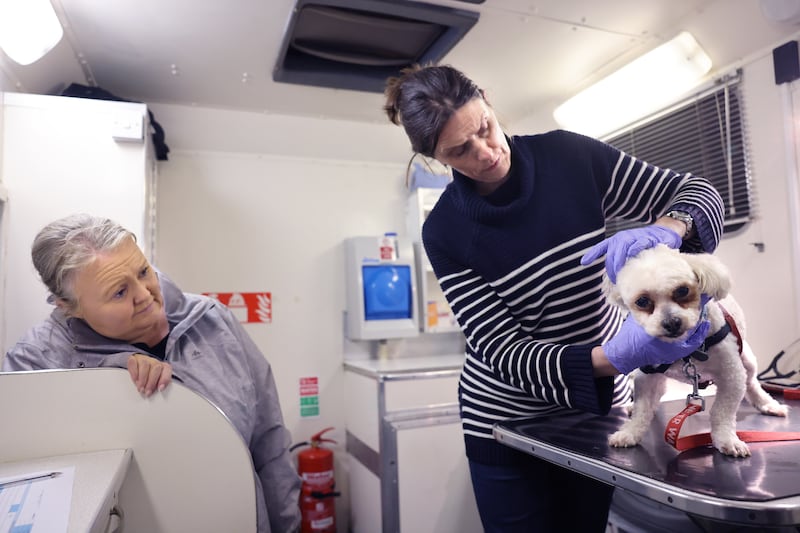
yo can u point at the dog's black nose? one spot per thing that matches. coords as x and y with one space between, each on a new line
672 326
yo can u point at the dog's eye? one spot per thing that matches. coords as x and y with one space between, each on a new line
681 292
644 303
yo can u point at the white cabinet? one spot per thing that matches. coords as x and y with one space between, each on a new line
63 155
407 468
434 311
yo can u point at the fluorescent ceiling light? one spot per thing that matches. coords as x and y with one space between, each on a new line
28 29
642 87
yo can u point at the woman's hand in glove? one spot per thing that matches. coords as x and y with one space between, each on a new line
632 347
628 243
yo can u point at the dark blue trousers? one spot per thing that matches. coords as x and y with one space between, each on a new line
535 496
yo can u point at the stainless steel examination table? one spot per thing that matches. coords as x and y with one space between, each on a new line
761 491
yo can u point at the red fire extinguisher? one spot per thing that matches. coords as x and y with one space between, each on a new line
317 504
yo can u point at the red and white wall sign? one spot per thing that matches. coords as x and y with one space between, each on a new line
246 306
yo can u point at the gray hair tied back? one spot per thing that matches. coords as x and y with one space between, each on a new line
65 246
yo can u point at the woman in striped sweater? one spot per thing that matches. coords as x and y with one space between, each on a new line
515 241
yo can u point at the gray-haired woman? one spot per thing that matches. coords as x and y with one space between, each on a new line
114 310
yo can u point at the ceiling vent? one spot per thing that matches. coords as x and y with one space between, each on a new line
357 44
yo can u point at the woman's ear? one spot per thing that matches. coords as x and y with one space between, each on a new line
68 308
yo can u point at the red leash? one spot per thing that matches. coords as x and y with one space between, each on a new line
674 428
704 439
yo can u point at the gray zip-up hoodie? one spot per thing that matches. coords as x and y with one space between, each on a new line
212 355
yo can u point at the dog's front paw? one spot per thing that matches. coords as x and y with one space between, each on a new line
623 439
731 445
774 408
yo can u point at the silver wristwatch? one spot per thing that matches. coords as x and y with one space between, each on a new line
684 217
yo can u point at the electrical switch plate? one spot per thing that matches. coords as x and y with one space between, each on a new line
127 126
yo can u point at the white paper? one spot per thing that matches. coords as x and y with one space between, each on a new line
36 505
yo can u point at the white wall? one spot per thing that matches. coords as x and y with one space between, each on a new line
3 224
253 223
214 130
266 221
763 281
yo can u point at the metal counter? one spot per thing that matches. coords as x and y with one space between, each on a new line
760 490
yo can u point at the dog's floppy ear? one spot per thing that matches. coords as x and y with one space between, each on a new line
713 276
611 292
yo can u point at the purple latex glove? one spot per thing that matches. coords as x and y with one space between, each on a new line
632 348
704 299
628 243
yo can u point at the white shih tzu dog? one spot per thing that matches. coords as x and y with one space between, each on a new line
662 289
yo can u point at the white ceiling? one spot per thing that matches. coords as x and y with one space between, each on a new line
529 55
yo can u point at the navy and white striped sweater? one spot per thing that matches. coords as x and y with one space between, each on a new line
509 265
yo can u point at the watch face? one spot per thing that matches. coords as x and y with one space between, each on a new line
686 218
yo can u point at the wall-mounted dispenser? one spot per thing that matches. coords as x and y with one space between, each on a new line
381 290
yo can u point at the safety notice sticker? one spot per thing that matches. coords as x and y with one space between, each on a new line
309 396
246 306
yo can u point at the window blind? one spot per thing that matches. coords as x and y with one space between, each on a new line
704 136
